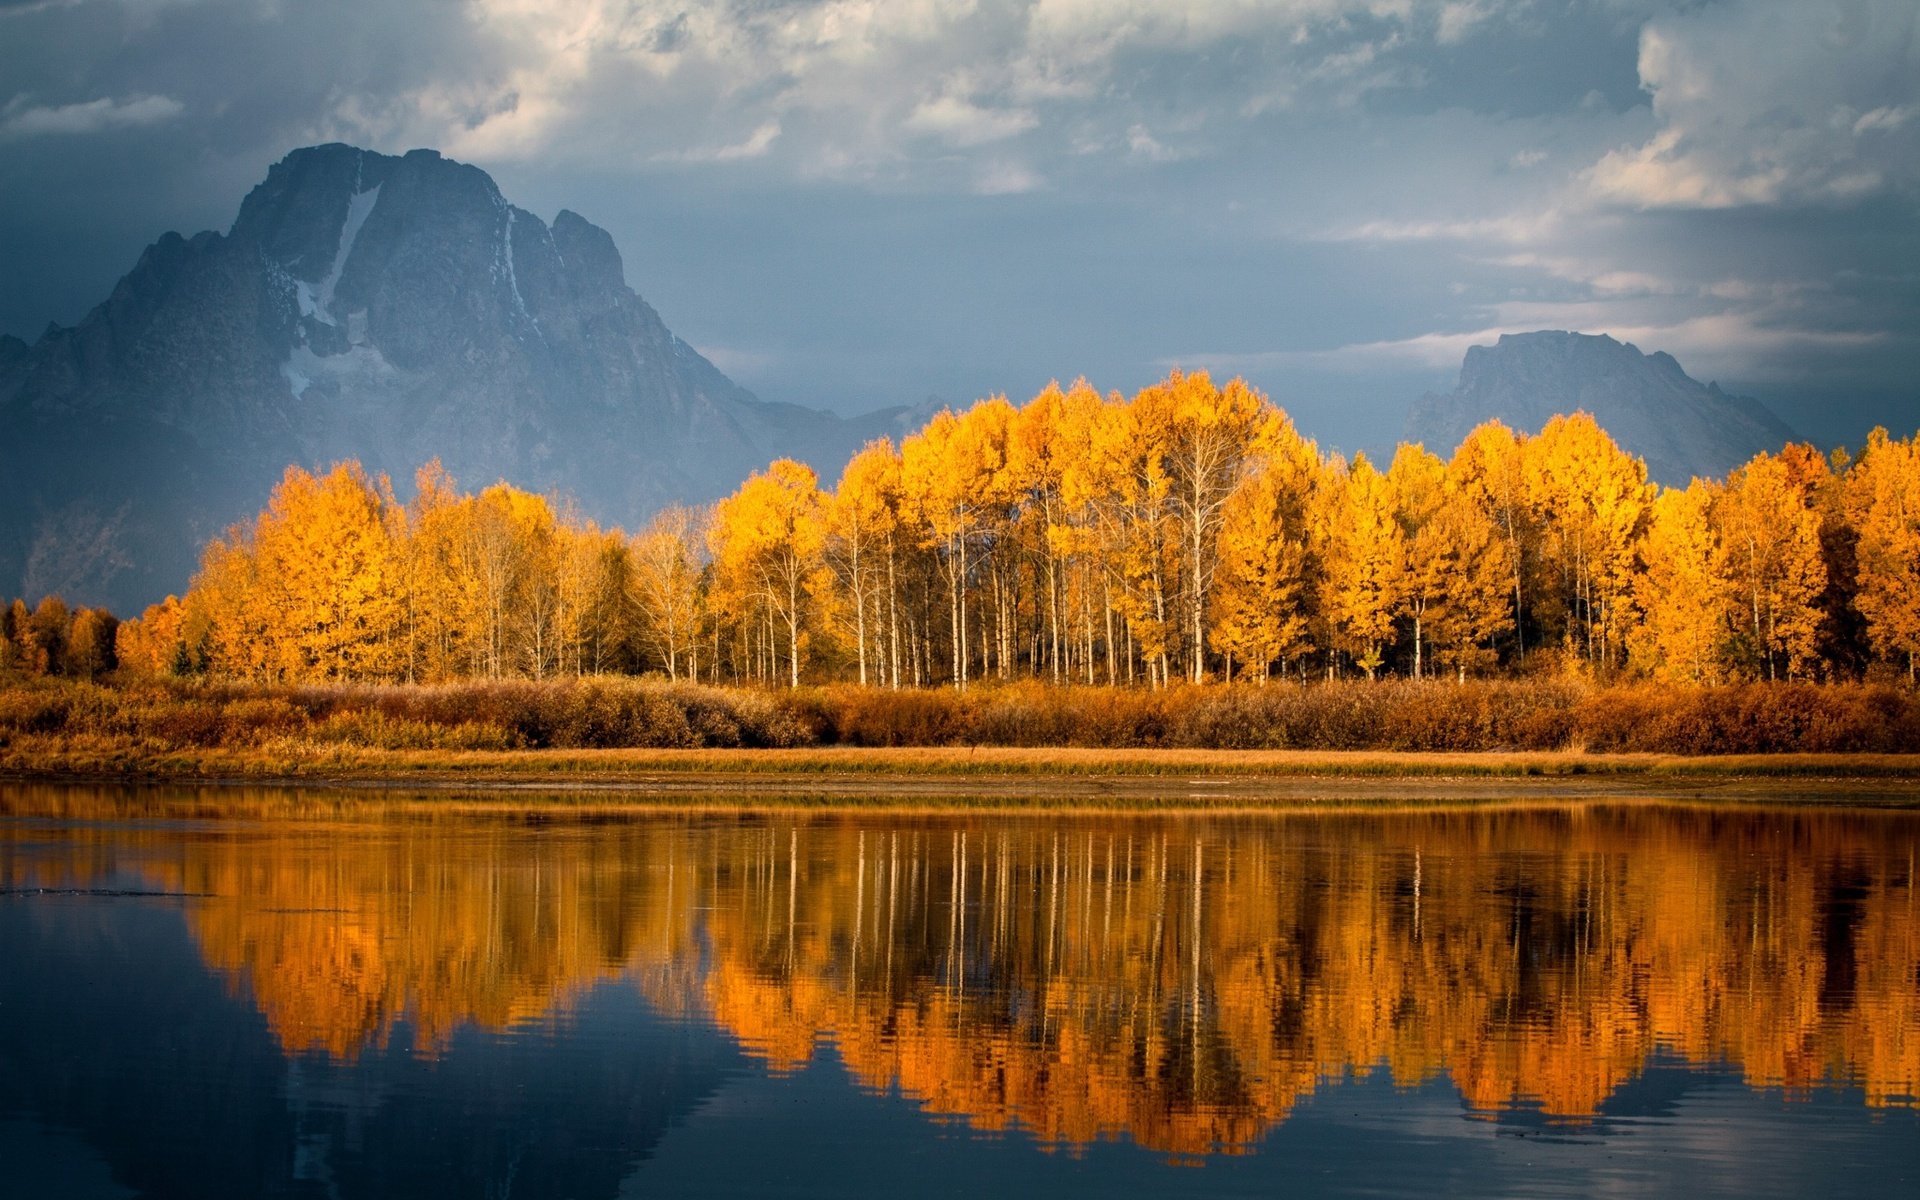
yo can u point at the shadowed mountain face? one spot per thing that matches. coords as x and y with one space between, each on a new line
1651 407
388 309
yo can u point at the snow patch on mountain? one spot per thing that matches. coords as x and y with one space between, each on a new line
358 209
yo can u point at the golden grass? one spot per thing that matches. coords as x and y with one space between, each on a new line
1000 777
1208 745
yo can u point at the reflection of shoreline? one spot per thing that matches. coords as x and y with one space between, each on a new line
1180 983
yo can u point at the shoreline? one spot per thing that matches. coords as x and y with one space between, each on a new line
1200 780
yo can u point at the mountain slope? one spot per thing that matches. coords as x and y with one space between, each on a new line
391 309
1652 408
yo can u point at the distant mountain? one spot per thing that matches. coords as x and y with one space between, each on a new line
390 309
1682 427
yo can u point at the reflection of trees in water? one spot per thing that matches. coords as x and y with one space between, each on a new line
1181 982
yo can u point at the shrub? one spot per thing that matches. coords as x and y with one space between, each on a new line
1540 714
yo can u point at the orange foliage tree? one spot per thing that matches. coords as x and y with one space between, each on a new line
1188 532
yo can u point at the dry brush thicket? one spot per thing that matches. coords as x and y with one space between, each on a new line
163 715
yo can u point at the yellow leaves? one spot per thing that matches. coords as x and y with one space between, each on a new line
1190 529
336 581
310 590
1882 499
1682 592
1259 610
1364 567
767 540
1590 499
1459 566
668 563
1770 529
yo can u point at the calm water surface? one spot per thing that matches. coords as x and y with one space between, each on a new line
309 1001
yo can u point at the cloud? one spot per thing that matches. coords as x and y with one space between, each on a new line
1458 18
19 8
755 145
1773 103
1706 345
1514 228
964 123
1263 175
1006 179
848 81
1427 351
1884 117
92 116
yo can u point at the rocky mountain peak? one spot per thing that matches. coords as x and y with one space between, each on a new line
388 308
1682 427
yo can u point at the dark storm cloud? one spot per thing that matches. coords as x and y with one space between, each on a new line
858 202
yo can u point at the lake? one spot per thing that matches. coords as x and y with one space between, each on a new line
234 992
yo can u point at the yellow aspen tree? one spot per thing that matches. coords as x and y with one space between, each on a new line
1417 482
231 605
1473 607
1093 485
1128 466
440 593
1038 449
1489 468
90 643
985 431
1363 557
1682 590
861 516
948 481
489 561
1261 582
1840 642
669 558
1206 435
533 601
1591 499
49 637
1883 502
770 537
1770 528
151 644
591 582
324 552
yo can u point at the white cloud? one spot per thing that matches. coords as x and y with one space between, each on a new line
885 90
1458 18
755 145
1001 178
1142 145
1884 117
1773 102
1513 228
964 123
92 116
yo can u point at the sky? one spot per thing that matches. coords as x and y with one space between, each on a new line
857 203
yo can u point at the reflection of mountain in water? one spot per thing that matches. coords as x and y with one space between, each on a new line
1183 984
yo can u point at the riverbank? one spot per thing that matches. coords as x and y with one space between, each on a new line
1022 742
1003 776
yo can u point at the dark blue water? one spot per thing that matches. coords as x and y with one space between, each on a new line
1641 999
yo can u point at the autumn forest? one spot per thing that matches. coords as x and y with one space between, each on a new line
1188 533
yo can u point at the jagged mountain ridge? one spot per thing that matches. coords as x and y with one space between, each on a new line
1652 407
388 308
